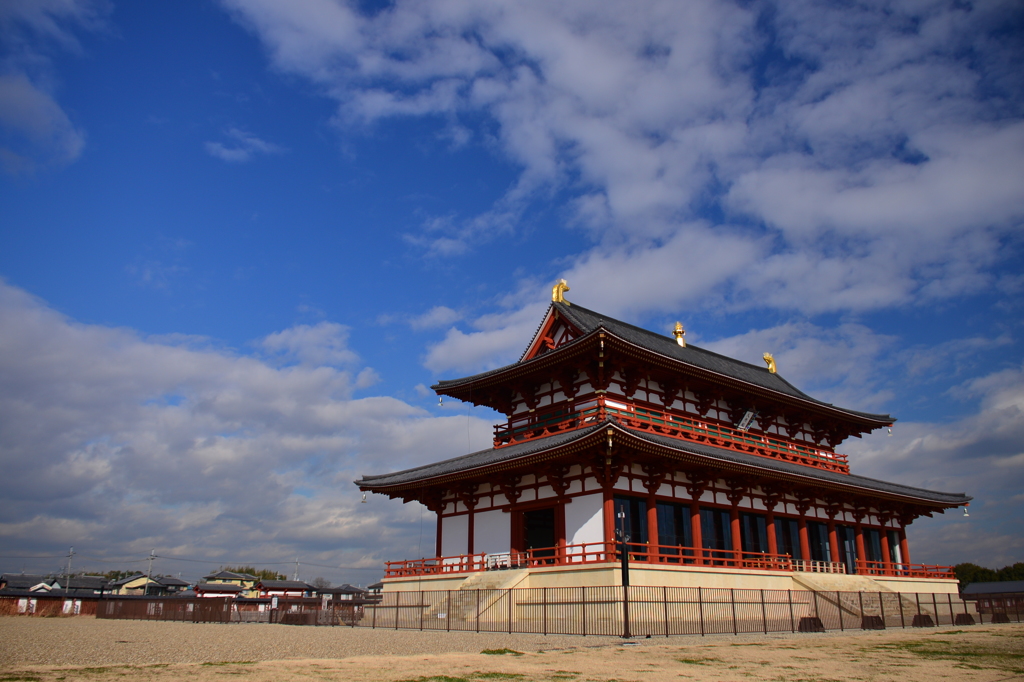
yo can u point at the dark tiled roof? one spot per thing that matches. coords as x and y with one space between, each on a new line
474 460
589 321
488 457
125 581
284 585
168 581
1005 587
24 580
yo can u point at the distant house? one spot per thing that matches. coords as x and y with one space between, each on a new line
83 585
284 588
342 592
219 590
244 580
132 584
996 597
376 590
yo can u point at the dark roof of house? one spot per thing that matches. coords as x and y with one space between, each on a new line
496 455
341 589
87 582
589 321
128 579
23 580
284 585
1005 587
219 587
168 581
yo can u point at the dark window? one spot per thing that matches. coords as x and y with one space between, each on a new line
817 537
631 520
872 544
539 531
787 537
674 529
847 539
715 529
674 525
755 533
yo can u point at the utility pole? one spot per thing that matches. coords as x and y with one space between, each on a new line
149 573
296 569
67 583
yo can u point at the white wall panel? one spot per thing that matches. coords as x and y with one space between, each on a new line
584 520
454 535
492 532
545 491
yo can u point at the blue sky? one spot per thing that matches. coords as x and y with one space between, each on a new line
241 238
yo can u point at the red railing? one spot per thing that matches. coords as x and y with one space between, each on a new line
881 568
557 420
666 555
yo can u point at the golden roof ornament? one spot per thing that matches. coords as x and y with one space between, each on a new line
558 292
770 360
680 334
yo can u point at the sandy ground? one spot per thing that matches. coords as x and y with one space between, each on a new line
57 649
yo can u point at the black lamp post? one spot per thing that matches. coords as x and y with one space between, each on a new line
624 557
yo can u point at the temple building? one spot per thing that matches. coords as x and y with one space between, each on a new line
713 472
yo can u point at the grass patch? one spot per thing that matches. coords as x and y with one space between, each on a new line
697 661
972 656
498 676
20 678
439 678
501 652
230 663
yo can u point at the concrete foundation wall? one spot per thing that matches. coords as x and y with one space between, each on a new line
600 575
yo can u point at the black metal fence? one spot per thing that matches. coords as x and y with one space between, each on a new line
642 611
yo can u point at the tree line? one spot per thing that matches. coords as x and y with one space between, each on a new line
968 573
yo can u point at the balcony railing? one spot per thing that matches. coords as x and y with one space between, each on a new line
663 555
559 420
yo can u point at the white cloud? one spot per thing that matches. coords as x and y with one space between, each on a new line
241 148
981 454
438 316
116 443
870 162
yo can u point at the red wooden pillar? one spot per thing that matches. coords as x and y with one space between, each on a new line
805 543
773 541
698 541
652 528
609 518
471 533
438 543
833 541
734 523
904 547
886 558
858 533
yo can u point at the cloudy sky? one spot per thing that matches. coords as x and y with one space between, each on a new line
241 238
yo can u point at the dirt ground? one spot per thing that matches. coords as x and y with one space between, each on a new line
84 649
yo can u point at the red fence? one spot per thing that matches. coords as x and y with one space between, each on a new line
602 552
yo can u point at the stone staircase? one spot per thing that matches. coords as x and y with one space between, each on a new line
827 585
462 604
